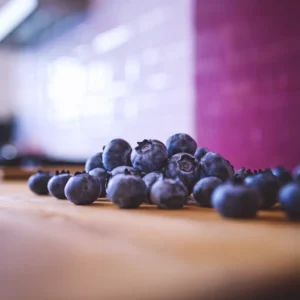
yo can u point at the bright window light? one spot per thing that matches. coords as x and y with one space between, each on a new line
13 13
112 39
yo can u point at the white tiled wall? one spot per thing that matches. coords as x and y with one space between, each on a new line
127 71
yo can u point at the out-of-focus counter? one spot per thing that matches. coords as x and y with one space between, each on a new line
52 249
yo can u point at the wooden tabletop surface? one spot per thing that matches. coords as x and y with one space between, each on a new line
52 249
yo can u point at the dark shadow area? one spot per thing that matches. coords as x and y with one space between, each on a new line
277 207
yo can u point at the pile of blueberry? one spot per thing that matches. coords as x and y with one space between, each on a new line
167 176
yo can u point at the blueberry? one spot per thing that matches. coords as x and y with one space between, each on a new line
236 201
289 198
149 180
186 167
260 171
121 170
204 188
296 173
213 164
267 170
250 180
169 193
57 183
101 175
82 189
38 182
240 175
200 152
282 174
94 162
181 143
116 153
127 191
267 185
124 170
149 156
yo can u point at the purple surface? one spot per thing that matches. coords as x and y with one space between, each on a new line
247 78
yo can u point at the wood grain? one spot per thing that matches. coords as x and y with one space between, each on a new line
52 249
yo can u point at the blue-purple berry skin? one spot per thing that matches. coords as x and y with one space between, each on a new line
125 169
149 180
186 167
149 156
213 164
116 153
289 198
168 193
282 174
296 173
38 183
204 188
236 201
181 143
240 175
200 152
127 191
101 175
82 189
96 161
56 185
250 180
267 185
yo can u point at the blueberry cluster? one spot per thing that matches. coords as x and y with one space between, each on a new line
168 174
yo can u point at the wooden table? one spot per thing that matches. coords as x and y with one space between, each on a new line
52 249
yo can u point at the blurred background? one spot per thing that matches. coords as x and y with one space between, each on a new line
75 74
